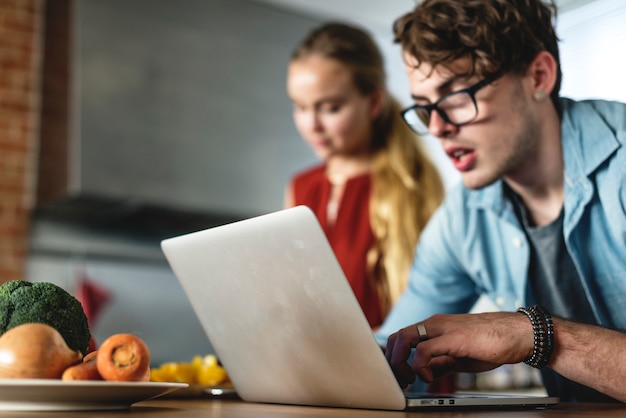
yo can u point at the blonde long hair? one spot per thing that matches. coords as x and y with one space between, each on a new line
406 185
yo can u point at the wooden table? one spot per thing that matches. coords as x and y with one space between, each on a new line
205 407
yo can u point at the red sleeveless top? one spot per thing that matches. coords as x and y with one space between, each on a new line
351 235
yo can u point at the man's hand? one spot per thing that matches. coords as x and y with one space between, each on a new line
459 343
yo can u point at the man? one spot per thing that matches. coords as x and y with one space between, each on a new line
540 216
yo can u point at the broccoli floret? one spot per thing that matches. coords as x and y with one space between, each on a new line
24 302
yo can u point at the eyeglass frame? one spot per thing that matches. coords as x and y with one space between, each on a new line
471 91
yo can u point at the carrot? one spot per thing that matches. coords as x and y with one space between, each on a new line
87 370
91 356
124 357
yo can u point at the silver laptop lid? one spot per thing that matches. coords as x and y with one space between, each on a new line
281 315
284 321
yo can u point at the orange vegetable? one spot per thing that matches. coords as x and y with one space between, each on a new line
91 356
124 357
87 370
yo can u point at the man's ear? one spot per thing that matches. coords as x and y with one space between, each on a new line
376 103
542 72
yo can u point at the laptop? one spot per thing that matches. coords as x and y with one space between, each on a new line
283 320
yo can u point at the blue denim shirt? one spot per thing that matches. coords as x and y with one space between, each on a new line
474 244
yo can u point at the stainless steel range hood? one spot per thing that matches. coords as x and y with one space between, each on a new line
175 114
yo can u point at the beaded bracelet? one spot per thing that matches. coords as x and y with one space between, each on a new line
543 333
549 329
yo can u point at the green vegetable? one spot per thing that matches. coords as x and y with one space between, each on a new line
24 302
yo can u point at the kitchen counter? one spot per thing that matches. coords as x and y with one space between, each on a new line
203 407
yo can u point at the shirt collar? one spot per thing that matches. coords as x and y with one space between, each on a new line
583 120
581 157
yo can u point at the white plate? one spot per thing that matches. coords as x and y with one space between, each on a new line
59 395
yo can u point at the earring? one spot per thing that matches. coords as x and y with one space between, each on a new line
540 95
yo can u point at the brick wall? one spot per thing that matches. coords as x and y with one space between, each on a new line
21 26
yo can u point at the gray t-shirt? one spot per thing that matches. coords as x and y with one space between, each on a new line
554 281
556 285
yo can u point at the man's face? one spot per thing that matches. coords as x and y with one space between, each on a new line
500 142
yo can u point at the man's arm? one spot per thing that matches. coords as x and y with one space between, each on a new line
590 355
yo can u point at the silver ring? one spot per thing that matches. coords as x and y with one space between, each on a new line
421 331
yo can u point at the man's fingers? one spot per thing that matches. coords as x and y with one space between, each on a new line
398 351
391 341
439 367
435 358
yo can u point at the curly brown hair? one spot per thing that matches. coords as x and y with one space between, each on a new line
498 36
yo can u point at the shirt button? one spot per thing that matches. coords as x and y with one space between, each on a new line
500 301
517 242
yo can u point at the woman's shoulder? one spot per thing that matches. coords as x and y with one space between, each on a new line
308 185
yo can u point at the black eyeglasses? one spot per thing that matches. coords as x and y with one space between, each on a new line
457 108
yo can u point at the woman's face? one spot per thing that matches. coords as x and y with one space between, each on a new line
332 116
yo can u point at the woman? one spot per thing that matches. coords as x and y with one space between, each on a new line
375 188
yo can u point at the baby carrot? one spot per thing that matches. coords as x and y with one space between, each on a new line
91 356
87 370
124 357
